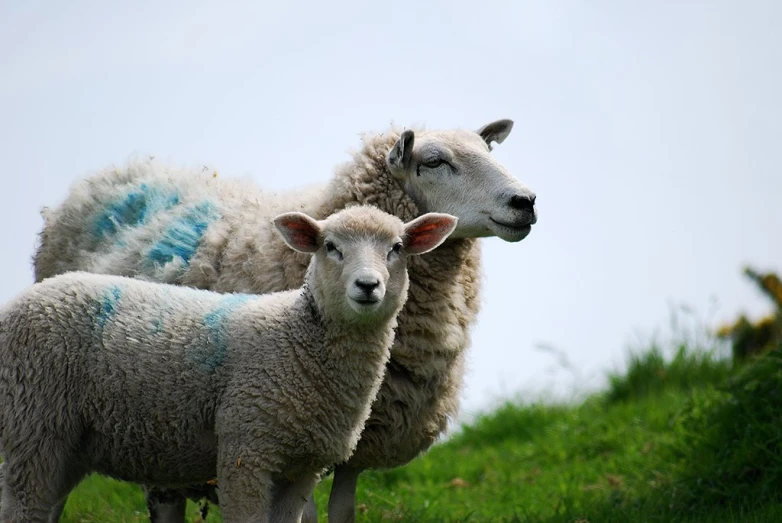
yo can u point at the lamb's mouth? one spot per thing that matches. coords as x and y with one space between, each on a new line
365 303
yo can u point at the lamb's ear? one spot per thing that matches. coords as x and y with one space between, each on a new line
428 231
401 155
495 131
299 231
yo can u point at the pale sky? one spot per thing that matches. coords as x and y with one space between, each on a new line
650 132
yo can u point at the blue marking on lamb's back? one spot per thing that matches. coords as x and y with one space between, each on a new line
218 335
181 239
132 210
107 307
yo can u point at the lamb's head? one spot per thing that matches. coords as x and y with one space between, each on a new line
453 172
358 272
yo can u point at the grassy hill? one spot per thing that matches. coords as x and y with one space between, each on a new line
686 438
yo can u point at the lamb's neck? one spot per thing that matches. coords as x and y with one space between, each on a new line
347 356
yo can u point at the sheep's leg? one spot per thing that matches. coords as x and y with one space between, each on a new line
342 500
310 514
165 505
291 498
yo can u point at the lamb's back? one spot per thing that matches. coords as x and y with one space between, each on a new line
121 361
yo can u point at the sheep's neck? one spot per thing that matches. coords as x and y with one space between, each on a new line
441 282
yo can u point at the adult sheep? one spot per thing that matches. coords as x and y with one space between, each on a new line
189 228
168 385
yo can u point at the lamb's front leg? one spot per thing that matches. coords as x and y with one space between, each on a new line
310 514
245 487
290 499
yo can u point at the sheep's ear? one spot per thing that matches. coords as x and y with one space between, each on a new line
299 231
400 156
495 131
428 231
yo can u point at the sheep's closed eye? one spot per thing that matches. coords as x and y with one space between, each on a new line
432 163
332 250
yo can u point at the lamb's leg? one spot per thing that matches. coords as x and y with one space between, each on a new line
37 495
245 498
291 498
14 508
165 505
342 500
54 515
245 482
310 514
10 508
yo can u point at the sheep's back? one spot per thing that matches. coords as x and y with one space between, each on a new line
143 220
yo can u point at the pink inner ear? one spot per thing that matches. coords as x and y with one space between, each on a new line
302 234
424 236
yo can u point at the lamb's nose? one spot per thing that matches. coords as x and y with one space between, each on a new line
523 202
367 285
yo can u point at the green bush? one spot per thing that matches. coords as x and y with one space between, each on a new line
749 339
729 439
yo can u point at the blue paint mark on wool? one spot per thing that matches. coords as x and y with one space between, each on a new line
107 307
157 326
217 331
181 239
134 209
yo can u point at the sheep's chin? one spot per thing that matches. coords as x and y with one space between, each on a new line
510 232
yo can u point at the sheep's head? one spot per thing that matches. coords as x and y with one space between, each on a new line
453 172
359 269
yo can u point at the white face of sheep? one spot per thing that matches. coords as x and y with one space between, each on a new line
359 270
453 172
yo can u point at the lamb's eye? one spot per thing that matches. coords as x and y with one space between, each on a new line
332 249
396 249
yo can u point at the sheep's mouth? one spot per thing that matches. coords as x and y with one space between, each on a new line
512 232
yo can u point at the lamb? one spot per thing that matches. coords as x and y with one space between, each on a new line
191 228
168 385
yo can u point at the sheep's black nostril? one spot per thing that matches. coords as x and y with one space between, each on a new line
367 286
522 202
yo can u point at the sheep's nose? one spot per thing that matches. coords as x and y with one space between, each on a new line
523 202
367 285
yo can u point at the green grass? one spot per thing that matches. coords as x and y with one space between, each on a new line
686 438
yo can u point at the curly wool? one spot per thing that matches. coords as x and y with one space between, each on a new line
237 252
